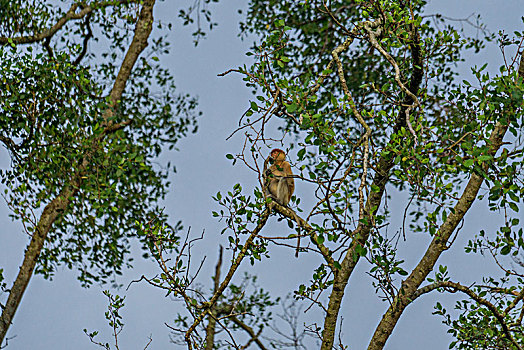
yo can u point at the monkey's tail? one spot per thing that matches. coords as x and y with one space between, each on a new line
298 236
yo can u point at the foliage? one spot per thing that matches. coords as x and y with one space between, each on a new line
53 124
114 320
199 11
366 100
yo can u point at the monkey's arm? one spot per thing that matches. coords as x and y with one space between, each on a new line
268 178
289 177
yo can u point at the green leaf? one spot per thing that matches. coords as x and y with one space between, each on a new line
292 108
402 272
301 153
469 162
485 158
514 207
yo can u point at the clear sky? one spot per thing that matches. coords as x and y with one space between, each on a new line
53 314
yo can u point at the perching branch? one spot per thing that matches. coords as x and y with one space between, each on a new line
254 336
290 214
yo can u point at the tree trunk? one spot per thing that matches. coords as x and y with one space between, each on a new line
59 204
361 233
438 244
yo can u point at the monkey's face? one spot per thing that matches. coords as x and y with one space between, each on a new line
275 155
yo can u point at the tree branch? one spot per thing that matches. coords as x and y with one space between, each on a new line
211 325
88 35
70 15
474 296
290 214
380 179
209 305
249 331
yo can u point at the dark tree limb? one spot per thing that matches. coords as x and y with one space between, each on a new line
70 15
47 46
85 42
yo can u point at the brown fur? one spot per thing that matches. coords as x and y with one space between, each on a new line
278 178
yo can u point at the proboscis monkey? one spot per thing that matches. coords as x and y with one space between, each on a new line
278 181
278 178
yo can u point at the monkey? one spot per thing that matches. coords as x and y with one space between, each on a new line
278 178
279 183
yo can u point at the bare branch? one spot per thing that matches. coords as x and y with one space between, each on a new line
254 336
208 305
